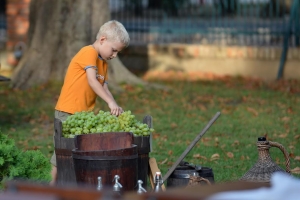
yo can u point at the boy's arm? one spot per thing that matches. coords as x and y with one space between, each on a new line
100 91
105 86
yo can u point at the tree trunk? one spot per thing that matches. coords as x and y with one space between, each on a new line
58 29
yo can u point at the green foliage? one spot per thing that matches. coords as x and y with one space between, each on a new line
14 163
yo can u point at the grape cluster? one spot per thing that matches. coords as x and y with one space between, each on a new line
88 122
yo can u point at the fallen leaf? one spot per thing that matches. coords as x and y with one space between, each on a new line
295 170
199 156
155 135
297 137
285 119
291 147
297 158
236 143
230 155
170 152
252 110
215 157
290 110
242 157
282 135
173 125
164 161
291 155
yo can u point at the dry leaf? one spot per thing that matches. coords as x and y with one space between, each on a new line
164 161
291 155
170 152
295 170
290 110
291 147
297 158
230 155
236 142
155 135
206 139
252 110
297 137
173 125
215 156
285 119
196 155
242 157
199 156
282 135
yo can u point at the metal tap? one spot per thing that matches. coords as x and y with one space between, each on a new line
117 185
140 187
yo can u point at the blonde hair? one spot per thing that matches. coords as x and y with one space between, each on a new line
114 31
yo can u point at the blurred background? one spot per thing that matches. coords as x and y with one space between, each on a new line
257 38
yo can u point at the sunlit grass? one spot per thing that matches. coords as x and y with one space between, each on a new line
248 110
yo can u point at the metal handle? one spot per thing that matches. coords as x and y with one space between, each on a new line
285 153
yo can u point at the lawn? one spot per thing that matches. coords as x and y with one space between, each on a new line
249 109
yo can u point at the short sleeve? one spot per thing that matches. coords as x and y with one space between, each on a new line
87 58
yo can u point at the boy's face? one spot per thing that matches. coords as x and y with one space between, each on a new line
109 49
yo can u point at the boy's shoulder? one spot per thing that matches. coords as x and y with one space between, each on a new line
87 50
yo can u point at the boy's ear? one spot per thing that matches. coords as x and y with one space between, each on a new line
102 39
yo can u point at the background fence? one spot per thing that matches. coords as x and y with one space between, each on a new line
218 22
2 26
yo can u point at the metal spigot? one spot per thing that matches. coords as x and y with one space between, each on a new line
117 185
99 186
140 187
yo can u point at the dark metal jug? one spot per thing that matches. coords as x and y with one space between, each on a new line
183 173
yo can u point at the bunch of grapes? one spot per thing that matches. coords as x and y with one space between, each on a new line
88 122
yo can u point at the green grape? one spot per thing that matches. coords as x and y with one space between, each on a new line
89 122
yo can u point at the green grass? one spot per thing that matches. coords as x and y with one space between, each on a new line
249 109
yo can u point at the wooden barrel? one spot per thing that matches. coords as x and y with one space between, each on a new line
143 148
106 155
64 160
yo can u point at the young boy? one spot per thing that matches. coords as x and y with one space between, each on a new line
86 77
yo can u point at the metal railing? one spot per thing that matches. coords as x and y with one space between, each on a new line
2 31
216 22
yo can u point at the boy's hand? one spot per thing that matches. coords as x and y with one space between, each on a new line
114 108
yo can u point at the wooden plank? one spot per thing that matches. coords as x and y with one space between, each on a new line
153 168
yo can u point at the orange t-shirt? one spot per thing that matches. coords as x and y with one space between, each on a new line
76 94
